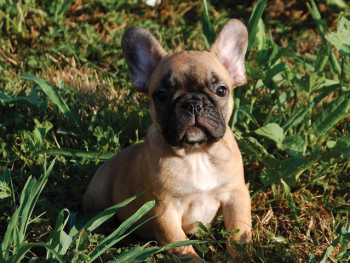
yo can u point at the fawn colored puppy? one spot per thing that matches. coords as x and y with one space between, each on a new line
189 160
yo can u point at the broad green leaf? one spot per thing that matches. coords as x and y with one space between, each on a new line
53 94
253 24
331 144
45 125
5 189
294 145
202 227
98 133
312 82
274 71
335 112
77 153
208 31
58 239
289 170
255 73
341 39
290 201
342 145
116 235
272 131
4 192
250 146
83 240
344 242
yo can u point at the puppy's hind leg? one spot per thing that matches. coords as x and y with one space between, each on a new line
98 196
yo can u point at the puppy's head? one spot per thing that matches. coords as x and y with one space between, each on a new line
190 91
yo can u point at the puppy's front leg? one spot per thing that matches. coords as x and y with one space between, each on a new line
167 229
237 215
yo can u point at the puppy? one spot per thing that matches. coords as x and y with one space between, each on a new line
189 160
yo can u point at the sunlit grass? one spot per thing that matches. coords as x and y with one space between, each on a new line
290 120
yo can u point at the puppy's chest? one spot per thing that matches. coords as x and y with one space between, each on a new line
202 174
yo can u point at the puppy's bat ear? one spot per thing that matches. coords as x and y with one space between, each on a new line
142 53
230 47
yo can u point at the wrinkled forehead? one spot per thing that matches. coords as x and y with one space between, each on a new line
190 70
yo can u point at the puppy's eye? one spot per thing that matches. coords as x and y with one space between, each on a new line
221 91
162 96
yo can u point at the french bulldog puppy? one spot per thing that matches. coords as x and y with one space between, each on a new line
189 160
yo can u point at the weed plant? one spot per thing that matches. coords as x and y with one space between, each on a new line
66 100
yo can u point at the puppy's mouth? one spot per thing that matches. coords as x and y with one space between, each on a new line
194 135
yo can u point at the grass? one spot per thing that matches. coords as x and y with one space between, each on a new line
66 100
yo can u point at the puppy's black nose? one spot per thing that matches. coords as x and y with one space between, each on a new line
194 107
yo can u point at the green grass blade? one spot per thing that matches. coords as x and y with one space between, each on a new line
101 217
52 93
237 102
208 31
343 236
113 238
94 117
336 111
64 7
140 254
318 21
77 153
299 59
248 114
27 207
253 24
290 201
299 114
283 52
8 238
137 254
9 234
23 249
316 17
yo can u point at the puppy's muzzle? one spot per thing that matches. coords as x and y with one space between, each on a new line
193 119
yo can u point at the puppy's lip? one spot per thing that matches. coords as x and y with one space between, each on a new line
195 128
